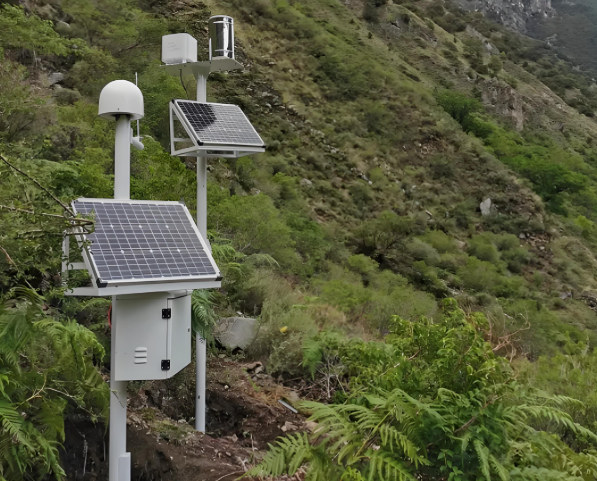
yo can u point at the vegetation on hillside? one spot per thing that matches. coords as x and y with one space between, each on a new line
387 125
432 401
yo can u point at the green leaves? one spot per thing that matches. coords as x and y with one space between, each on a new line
432 401
28 31
203 316
46 370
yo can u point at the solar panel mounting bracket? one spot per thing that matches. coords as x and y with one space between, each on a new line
199 148
216 64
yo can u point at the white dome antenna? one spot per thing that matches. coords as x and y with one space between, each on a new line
121 97
122 101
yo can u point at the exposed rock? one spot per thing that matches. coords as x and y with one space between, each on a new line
306 183
514 14
505 101
489 47
55 77
590 300
62 28
485 207
288 426
236 332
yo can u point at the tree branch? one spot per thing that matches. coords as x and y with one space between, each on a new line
80 221
8 258
62 204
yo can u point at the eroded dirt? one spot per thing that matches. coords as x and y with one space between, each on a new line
243 416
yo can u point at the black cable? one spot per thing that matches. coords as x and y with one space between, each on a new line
183 85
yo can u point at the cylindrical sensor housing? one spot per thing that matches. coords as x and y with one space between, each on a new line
221 36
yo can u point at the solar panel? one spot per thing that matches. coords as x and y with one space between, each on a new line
219 124
144 241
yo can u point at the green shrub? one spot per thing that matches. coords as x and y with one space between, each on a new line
464 110
254 225
50 370
482 247
422 251
495 65
485 252
402 413
479 275
363 265
516 258
440 241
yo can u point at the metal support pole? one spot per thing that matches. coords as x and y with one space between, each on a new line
200 343
120 460
118 455
122 158
202 197
201 374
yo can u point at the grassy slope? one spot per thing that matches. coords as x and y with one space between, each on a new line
417 140
364 168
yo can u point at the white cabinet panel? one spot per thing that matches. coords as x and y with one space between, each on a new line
153 335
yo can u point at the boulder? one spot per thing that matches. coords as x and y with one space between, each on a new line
236 332
55 77
485 207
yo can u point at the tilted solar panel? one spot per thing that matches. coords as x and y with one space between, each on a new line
219 124
144 241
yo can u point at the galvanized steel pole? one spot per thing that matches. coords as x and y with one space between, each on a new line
120 460
200 343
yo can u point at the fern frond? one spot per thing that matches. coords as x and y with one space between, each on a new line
384 466
203 316
312 354
286 456
483 457
499 468
392 439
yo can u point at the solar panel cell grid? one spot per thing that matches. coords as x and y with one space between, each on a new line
219 123
144 241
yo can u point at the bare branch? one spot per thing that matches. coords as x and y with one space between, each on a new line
8 258
62 204
81 222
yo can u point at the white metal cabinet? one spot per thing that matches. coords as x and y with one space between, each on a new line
153 335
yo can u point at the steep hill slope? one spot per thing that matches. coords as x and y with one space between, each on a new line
572 31
415 152
385 73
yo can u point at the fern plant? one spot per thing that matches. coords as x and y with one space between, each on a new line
433 402
235 266
46 369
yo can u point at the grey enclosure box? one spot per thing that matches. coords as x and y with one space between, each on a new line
153 335
179 48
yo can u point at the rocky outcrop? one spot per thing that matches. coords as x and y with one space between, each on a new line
514 14
500 98
236 332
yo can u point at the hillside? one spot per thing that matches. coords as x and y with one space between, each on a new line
427 202
572 32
